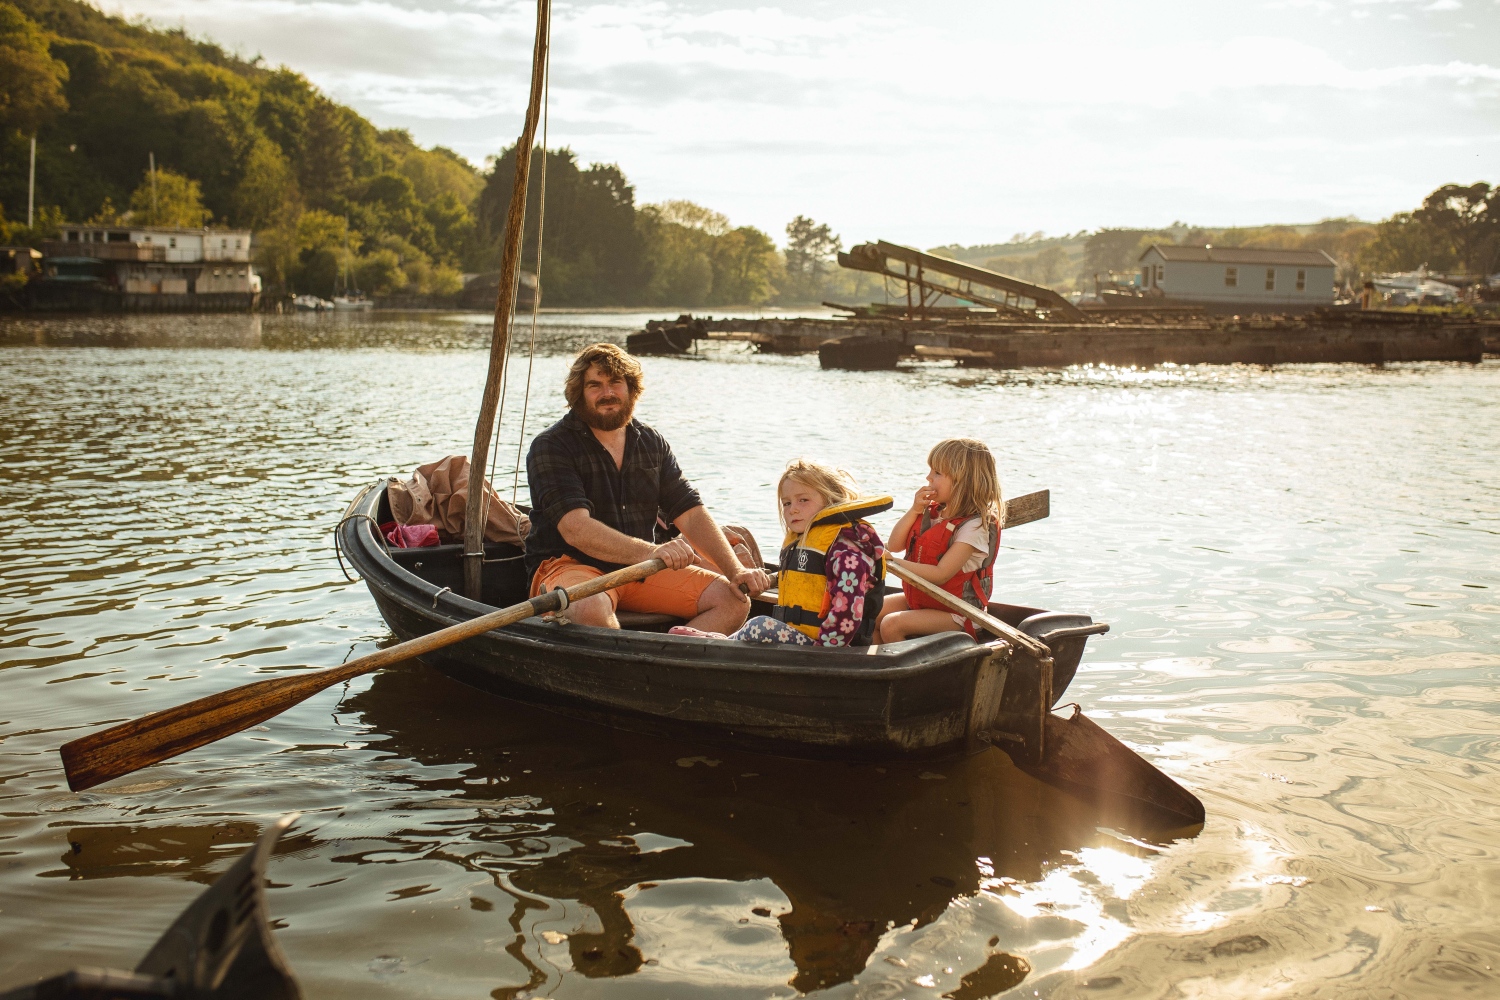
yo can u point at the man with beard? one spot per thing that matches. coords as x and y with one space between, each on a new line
599 480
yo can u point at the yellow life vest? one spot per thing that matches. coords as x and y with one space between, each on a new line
802 599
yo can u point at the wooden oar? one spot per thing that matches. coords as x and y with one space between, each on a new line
130 746
984 619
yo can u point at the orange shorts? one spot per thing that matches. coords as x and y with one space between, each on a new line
667 592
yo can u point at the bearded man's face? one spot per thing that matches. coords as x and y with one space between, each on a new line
607 404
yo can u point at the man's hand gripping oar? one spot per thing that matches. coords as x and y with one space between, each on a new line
130 746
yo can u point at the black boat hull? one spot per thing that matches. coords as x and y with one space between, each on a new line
935 696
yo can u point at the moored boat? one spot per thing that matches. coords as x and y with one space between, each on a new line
933 696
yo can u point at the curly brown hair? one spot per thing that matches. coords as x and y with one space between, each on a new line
612 361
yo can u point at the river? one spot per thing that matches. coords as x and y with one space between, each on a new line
1300 567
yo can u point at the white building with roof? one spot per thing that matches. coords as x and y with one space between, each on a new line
164 260
1248 277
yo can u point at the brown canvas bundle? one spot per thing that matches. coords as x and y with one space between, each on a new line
436 494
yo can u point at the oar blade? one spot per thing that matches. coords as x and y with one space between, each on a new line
1084 759
130 746
117 751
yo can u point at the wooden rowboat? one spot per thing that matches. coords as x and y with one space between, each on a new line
929 697
926 697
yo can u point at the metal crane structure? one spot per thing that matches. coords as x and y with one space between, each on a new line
928 278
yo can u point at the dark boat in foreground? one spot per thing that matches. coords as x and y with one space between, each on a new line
219 948
927 697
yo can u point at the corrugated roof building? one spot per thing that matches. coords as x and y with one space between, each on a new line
1239 276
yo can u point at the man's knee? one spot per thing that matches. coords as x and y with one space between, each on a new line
596 610
721 596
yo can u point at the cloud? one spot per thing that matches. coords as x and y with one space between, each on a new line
950 121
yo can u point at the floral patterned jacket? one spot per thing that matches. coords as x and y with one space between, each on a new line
851 567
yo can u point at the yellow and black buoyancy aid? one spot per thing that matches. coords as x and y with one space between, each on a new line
802 582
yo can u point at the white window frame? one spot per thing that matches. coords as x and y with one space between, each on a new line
1231 277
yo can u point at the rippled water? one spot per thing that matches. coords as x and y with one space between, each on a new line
1301 567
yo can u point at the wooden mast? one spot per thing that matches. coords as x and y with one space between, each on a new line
510 260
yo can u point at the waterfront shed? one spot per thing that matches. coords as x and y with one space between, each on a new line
157 268
1239 276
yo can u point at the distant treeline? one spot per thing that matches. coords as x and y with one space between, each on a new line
329 194
1455 230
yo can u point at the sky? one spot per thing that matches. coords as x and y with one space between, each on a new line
935 122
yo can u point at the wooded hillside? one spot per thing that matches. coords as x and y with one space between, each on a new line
241 144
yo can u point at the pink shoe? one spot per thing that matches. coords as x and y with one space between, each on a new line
695 632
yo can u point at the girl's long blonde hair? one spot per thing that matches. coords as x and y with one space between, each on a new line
835 486
976 484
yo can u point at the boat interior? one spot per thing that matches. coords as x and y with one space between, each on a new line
505 583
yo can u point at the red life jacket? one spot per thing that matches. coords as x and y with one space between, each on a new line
930 538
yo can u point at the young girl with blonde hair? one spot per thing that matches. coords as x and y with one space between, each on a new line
832 568
950 536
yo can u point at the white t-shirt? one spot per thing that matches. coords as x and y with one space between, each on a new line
973 532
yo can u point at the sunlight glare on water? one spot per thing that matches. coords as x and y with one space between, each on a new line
1300 567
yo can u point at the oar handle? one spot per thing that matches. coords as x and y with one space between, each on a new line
957 605
130 746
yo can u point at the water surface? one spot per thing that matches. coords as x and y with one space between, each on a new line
1300 566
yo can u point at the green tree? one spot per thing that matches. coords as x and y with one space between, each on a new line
380 273
277 256
1467 219
745 266
691 215
31 80
1405 242
321 242
1118 249
171 199
594 252
1050 264
679 259
387 203
267 190
810 250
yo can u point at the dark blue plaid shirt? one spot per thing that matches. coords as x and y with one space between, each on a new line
568 468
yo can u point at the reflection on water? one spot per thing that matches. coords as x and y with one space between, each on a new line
836 854
1299 566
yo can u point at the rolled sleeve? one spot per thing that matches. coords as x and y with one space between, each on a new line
675 496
